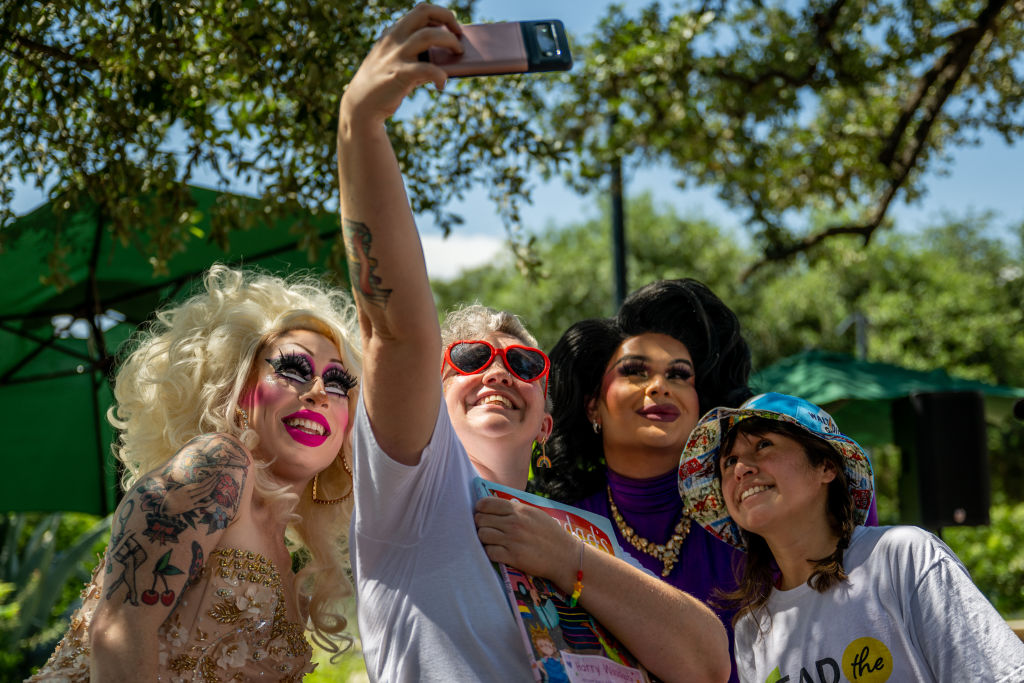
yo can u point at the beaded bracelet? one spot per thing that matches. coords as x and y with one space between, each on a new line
577 587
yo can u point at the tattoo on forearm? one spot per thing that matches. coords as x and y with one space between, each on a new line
361 265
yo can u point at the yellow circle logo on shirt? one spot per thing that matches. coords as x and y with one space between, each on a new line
867 660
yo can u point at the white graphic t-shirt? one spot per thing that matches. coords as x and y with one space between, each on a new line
909 612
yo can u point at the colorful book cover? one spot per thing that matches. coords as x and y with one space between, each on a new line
565 643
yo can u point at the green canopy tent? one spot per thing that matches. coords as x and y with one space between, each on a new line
859 394
57 348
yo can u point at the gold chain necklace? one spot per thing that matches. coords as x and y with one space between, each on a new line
667 554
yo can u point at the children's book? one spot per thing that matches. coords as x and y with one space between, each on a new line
565 643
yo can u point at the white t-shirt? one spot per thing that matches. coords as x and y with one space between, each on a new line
909 612
431 605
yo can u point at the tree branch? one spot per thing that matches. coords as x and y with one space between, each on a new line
932 92
824 23
48 50
943 76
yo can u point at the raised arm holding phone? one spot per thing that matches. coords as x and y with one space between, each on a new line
431 606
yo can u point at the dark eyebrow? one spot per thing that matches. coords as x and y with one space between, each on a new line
645 359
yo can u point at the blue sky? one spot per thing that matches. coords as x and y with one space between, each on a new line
987 177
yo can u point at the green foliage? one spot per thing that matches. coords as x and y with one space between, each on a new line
44 562
786 108
949 296
944 297
1006 466
791 108
885 460
115 105
994 555
950 303
349 668
574 281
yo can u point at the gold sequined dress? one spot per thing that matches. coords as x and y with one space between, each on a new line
230 625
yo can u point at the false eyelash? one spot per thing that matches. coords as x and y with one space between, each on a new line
294 362
632 367
683 372
341 377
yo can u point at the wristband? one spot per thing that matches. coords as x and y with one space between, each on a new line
577 587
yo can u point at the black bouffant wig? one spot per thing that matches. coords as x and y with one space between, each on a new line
684 309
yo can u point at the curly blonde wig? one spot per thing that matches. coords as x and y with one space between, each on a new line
183 377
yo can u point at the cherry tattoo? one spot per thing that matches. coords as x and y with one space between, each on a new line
161 571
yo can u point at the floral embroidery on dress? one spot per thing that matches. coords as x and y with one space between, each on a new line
247 629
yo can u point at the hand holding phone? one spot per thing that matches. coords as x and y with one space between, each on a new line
507 47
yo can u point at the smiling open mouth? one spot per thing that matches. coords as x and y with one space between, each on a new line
496 399
308 430
308 426
752 490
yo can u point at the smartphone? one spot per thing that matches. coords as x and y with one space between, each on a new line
507 47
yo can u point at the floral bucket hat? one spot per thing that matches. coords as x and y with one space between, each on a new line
701 487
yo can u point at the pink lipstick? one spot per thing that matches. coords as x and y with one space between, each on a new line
307 427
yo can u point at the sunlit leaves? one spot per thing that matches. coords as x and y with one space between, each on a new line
792 108
789 109
115 104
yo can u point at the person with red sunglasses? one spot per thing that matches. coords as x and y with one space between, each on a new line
431 606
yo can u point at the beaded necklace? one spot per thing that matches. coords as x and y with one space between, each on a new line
667 554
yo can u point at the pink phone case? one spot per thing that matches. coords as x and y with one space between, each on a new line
489 49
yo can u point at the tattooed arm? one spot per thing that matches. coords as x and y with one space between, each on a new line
401 339
163 530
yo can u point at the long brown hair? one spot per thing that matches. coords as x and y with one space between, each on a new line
759 572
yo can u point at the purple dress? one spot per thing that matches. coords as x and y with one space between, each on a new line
651 507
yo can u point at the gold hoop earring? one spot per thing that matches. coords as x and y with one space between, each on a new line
344 464
351 479
326 501
544 461
240 412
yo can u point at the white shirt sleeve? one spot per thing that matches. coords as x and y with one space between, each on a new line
959 632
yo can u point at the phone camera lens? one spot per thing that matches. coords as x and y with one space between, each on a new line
546 40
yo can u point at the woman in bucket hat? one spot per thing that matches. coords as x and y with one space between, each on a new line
821 597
